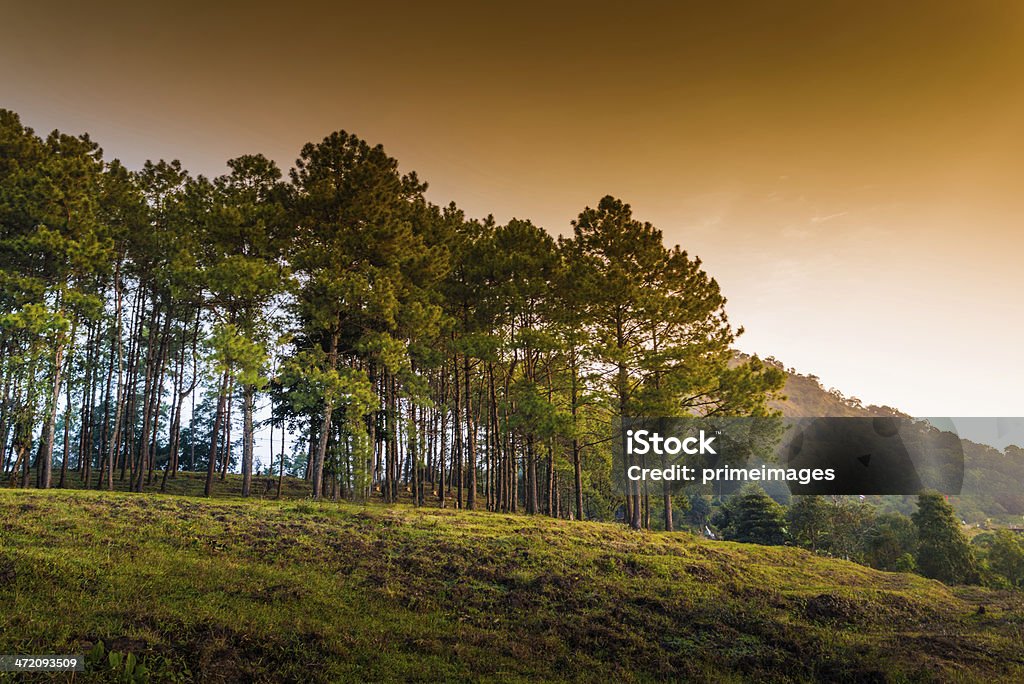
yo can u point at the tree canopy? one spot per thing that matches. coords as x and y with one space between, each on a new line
155 319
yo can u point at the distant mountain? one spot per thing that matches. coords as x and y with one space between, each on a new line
804 396
993 478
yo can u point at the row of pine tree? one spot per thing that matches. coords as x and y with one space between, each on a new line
408 349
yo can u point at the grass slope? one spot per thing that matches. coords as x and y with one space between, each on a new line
187 483
231 590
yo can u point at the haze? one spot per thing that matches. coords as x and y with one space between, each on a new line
849 173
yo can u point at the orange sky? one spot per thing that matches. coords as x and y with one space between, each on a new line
849 171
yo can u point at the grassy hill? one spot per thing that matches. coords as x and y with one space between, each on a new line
231 590
187 483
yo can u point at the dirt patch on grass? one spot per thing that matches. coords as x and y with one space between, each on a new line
832 608
7 573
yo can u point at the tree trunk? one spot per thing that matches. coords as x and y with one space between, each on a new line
67 435
443 448
46 455
470 440
280 477
577 464
532 505
116 430
211 468
325 425
457 437
247 439
226 461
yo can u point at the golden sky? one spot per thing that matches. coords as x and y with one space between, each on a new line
851 172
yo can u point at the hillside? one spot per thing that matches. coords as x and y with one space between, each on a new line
186 483
803 396
993 488
223 591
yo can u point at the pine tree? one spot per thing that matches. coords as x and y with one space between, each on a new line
943 552
356 255
244 275
753 517
659 326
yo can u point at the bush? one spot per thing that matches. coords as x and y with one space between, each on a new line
890 540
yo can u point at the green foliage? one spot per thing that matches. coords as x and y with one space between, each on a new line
240 355
127 668
943 552
854 531
849 526
657 324
317 382
906 563
890 543
698 510
807 521
752 516
534 414
1005 557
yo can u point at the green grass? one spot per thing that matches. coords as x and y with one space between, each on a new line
229 590
193 484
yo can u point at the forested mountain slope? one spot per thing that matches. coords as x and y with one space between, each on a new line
993 480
